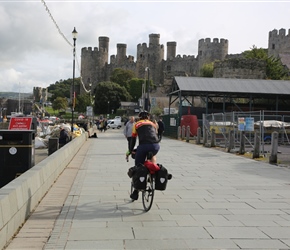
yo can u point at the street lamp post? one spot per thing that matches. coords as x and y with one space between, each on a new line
146 102
74 34
108 108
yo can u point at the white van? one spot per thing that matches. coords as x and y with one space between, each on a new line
115 123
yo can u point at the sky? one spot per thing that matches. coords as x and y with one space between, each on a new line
36 35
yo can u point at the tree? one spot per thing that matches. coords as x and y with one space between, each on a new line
62 88
157 111
82 101
275 70
122 77
108 96
135 88
59 103
207 70
256 53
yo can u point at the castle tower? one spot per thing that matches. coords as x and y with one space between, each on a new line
88 67
104 50
278 42
211 51
121 53
154 39
44 95
151 57
171 50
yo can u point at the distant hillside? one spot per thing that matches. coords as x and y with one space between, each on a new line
15 95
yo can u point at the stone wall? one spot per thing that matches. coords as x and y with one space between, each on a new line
240 68
20 197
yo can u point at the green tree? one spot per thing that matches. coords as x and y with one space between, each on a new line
108 96
60 103
82 101
256 53
135 88
275 70
122 77
62 88
207 70
157 111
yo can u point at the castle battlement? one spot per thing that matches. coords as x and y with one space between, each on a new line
89 49
208 41
184 57
142 46
281 33
278 42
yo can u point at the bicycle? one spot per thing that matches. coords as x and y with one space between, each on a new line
150 177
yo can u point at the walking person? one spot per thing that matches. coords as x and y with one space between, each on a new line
128 132
161 128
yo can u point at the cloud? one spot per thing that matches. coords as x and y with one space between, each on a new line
34 53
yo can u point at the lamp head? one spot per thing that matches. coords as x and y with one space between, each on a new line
74 33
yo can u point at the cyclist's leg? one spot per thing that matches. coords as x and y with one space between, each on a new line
140 156
154 149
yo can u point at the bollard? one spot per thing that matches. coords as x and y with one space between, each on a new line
231 140
242 143
256 153
178 132
274 148
187 133
182 132
205 138
198 138
52 145
213 138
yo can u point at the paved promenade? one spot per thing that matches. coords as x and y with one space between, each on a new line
215 200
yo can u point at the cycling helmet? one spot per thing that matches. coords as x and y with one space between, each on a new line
144 114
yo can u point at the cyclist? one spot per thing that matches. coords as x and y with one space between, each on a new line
148 142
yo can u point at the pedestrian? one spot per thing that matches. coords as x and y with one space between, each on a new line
95 130
63 136
105 125
128 131
161 128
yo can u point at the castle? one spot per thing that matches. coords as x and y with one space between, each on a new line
95 66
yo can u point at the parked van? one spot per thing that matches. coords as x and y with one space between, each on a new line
115 123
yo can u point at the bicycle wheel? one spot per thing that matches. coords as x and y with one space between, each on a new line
148 194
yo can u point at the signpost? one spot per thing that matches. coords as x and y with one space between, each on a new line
20 123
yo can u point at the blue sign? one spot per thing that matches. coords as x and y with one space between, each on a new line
249 124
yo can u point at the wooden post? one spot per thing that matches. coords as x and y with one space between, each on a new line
198 138
187 133
182 132
213 138
256 153
205 137
242 144
178 132
231 141
274 148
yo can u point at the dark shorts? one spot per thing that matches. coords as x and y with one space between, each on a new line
142 151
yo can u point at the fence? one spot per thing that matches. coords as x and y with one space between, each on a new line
244 125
